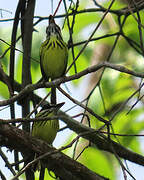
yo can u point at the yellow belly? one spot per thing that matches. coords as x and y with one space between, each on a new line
53 58
46 130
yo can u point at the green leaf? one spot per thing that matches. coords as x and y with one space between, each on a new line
98 162
4 91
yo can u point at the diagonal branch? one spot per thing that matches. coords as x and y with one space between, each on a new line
55 160
57 82
100 140
95 136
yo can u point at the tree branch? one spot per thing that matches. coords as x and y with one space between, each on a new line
56 161
100 140
31 87
95 136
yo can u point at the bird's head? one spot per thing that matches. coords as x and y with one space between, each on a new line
53 29
52 107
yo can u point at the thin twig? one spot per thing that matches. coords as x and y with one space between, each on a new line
83 106
44 156
85 45
4 157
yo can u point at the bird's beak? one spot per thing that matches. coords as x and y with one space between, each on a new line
58 106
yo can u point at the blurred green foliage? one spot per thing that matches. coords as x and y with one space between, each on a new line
116 87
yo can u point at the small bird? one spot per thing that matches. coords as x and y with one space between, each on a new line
53 55
46 130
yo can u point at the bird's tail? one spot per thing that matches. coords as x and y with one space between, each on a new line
53 95
42 173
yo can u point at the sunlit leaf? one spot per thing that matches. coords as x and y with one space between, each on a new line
98 162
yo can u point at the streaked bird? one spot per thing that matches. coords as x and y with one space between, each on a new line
53 55
46 130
